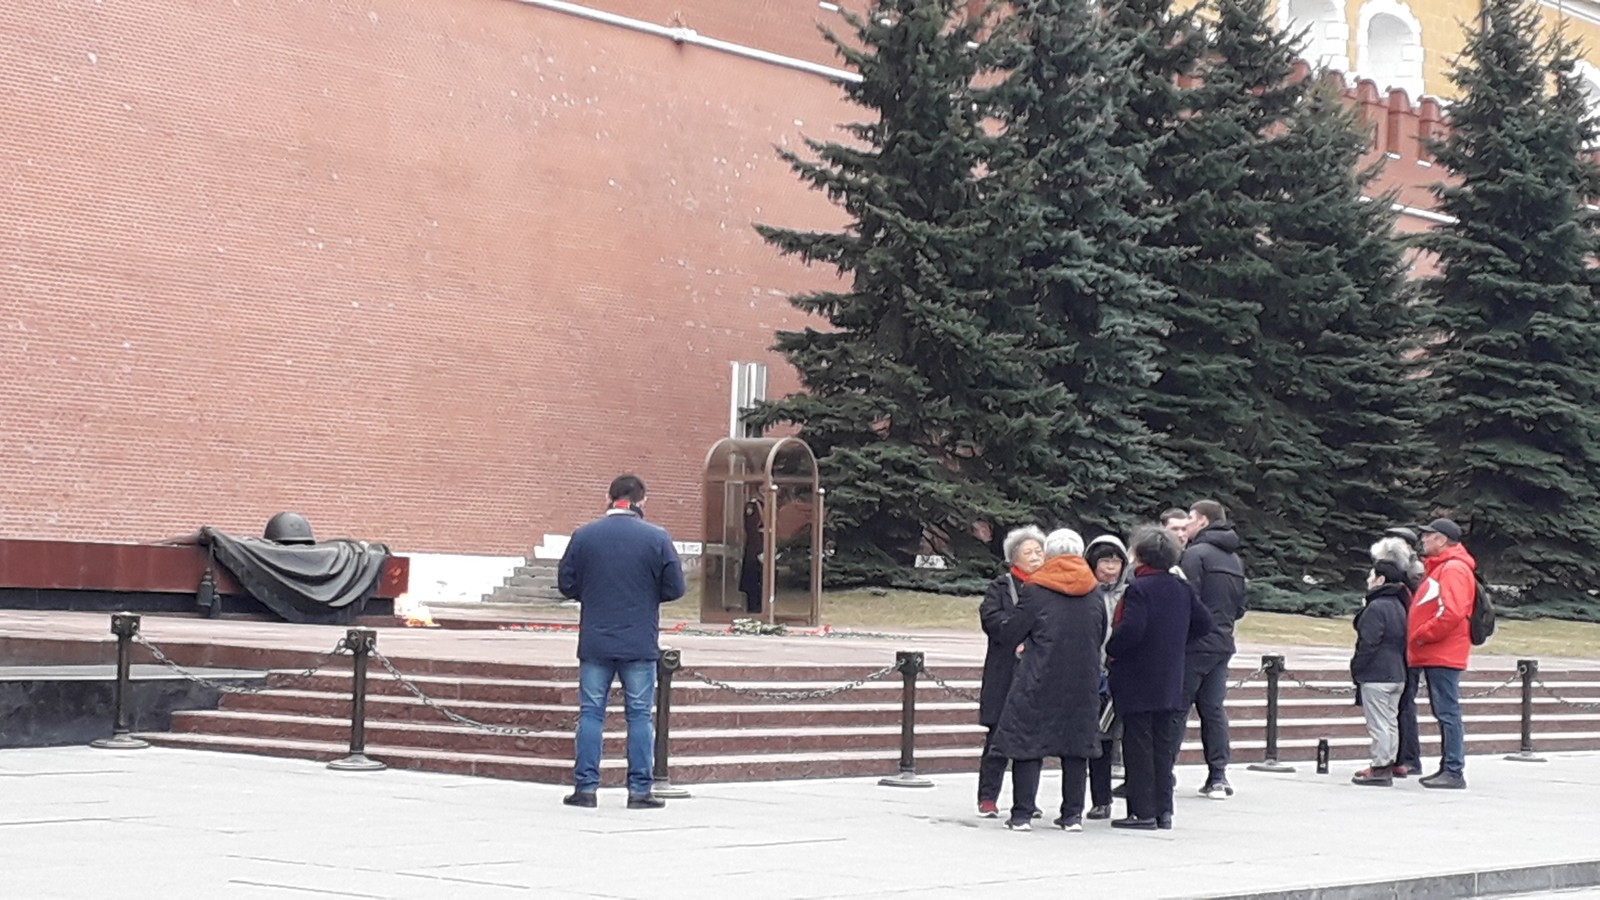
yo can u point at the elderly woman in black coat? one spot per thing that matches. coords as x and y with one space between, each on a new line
1024 549
1053 708
1158 618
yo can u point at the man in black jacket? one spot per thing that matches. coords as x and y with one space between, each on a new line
1211 564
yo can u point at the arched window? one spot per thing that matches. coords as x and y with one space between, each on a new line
1389 47
1323 31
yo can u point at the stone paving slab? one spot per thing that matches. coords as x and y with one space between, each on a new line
176 824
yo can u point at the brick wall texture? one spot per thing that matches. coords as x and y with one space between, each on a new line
429 272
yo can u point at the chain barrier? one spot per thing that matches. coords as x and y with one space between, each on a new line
1316 689
1490 692
950 689
338 649
1260 670
1575 704
453 716
790 696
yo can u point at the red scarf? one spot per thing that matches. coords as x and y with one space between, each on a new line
1142 570
1017 574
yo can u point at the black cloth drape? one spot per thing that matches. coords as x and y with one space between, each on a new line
327 583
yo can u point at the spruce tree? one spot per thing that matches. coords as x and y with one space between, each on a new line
1208 403
1068 190
1514 352
1335 366
913 397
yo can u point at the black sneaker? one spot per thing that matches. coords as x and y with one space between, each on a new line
1099 812
1217 789
1069 823
584 799
1135 823
646 802
1164 821
1016 824
1450 781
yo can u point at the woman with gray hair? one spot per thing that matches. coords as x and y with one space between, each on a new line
1024 549
1054 703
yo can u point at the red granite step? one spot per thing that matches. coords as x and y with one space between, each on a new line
546 715
686 741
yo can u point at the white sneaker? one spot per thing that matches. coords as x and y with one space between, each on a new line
1217 790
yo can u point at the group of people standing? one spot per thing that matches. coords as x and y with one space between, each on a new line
1415 627
1089 643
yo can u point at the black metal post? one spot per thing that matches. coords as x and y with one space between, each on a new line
909 663
1274 668
670 662
1529 670
124 626
361 642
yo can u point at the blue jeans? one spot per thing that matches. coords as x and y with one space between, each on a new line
1444 695
638 691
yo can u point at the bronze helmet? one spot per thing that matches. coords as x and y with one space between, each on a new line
288 528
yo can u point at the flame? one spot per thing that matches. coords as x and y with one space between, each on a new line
413 613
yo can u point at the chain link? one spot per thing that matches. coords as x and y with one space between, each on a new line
162 658
950 689
459 719
1587 707
790 696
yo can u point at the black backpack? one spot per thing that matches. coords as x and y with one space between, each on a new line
1481 623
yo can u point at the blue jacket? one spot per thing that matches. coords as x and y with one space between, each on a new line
621 568
1159 618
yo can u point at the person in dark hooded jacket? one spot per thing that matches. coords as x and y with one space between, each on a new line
1053 708
1024 550
1410 755
1378 666
1211 564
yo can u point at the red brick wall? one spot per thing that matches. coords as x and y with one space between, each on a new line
429 272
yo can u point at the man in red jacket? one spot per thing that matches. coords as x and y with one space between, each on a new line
1438 641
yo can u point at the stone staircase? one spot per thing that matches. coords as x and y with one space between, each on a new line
533 582
743 731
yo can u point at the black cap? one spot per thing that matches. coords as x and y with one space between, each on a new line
1445 527
1402 533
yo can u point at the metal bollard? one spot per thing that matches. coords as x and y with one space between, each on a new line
670 662
909 663
361 642
1274 667
124 626
1529 669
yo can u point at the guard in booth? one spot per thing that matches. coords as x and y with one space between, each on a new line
750 567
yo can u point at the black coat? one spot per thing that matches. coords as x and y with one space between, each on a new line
1053 708
1211 563
1380 656
1005 630
1160 616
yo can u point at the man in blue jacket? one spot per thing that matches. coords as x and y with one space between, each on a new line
620 569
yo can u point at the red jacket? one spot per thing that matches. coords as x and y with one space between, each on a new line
1436 631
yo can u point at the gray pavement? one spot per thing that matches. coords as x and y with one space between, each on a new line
76 822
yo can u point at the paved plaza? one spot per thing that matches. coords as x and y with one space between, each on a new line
77 822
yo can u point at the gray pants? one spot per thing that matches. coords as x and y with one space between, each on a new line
1381 702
